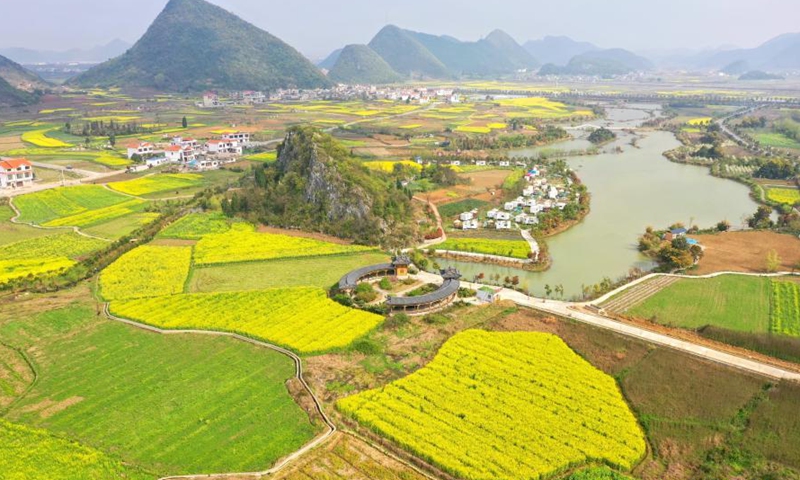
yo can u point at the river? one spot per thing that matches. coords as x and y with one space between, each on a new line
630 191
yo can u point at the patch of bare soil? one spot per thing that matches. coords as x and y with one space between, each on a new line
746 252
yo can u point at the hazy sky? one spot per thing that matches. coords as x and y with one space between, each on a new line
316 27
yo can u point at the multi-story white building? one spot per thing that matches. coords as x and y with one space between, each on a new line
15 173
239 137
140 149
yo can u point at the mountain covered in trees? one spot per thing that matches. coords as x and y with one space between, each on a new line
317 186
194 45
361 64
19 77
557 50
406 54
421 55
615 61
13 97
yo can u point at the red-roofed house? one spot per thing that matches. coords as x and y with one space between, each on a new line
140 149
15 173
174 153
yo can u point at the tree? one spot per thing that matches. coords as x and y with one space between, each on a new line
761 220
185 122
112 139
724 226
773 261
547 291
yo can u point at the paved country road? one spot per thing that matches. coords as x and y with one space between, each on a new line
570 310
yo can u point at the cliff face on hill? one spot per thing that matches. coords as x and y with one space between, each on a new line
316 186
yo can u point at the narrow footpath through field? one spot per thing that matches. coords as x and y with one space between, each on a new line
330 426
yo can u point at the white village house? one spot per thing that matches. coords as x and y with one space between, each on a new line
15 173
140 149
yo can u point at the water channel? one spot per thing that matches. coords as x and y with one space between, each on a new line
630 190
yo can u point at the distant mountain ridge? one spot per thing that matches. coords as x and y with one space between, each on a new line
417 55
557 50
97 54
779 53
361 64
614 61
193 45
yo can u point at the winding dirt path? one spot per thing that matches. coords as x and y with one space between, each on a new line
17 214
331 427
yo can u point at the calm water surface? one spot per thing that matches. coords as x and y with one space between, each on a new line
630 191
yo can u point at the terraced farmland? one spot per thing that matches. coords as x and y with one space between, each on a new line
498 406
50 205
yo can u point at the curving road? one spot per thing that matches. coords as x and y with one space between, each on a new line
571 310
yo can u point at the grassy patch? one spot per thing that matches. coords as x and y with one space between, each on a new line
452 209
168 404
733 302
504 248
777 140
49 205
314 272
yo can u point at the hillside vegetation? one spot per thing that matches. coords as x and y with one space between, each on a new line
360 64
194 45
315 185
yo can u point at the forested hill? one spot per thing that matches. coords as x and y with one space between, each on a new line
315 185
360 64
421 55
10 96
194 45
19 77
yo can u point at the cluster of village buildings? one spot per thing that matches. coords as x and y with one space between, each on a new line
15 173
190 153
538 197
419 95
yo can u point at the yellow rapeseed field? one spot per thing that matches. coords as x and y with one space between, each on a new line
303 319
503 406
